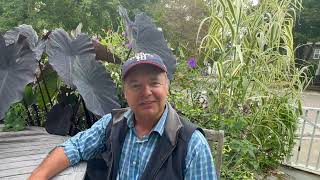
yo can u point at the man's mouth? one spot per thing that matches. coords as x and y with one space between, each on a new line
146 102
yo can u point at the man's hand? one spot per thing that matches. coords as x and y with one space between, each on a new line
53 164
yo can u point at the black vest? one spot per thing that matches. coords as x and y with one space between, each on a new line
167 160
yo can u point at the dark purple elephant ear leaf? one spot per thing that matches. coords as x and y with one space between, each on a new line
27 31
150 39
17 69
95 85
146 37
131 29
36 45
39 49
74 61
63 51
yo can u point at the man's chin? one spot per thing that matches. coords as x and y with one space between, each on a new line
149 113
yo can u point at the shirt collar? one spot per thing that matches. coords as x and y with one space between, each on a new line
159 127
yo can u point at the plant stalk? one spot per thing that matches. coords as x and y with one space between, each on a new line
30 121
86 112
129 54
44 103
44 83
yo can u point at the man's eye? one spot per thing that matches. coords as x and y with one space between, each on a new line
135 86
155 83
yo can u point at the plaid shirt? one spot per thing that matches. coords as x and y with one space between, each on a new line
136 152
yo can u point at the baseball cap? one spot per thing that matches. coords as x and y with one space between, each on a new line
142 58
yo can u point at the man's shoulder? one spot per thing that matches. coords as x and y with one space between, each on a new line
198 136
194 130
103 122
198 144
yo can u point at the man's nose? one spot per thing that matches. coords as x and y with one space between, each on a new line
146 90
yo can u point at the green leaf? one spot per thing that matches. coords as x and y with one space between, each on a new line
29 97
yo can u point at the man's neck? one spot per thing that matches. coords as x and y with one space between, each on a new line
143 126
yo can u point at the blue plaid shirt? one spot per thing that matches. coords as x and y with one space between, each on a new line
136 152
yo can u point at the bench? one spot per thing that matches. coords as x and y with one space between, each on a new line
216 139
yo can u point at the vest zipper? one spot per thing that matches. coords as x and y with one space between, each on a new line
156 172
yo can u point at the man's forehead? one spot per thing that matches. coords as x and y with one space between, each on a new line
144 76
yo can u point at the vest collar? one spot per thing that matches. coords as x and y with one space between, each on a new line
173 125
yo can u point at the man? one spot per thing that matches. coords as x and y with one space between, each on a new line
149 140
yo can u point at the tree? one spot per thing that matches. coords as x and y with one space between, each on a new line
180 20
95 15
307 27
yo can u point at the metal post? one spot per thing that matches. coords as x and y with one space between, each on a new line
312 137
300 141
317 166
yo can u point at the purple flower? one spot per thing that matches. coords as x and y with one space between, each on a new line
96 40
192 62
124 34
129 45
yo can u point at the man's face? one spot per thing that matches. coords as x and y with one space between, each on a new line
146 89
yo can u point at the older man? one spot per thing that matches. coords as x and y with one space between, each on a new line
148 140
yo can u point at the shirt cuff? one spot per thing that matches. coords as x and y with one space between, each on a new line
71 153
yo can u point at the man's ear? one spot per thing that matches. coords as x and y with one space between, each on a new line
168 86
123 92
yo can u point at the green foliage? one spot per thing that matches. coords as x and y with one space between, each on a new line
180 20
29 97
247 76
95 15
50 78
116 43
15 118
307 28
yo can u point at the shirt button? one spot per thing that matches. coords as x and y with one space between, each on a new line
134 163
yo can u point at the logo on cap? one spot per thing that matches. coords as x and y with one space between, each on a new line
141 56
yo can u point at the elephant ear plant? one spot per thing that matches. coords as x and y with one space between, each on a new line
17 66
72 58
74 61
36 45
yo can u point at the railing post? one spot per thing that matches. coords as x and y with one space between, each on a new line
317 166
300 141
312 137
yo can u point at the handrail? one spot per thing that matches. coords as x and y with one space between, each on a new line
311 108
304 123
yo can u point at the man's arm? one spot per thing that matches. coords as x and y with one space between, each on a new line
199 161
83 146
54 163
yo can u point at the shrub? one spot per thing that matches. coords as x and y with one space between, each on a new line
15 118
245 73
